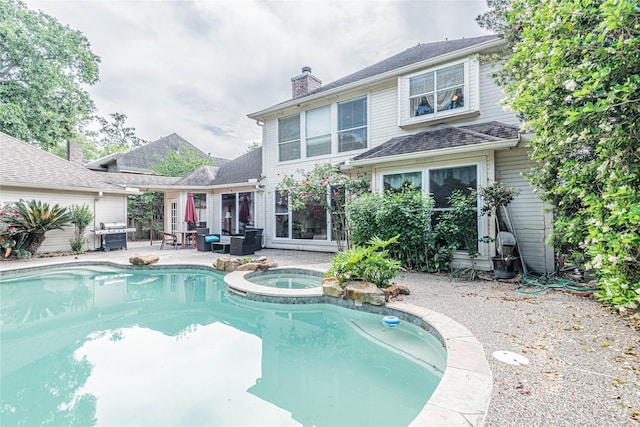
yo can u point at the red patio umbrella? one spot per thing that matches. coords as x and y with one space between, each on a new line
245 211
190 215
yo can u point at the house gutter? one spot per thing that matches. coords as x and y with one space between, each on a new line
377 78
66 188
497 145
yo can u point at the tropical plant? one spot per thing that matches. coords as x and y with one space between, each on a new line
80 216
371 263
44 66
329 187
573 75
34 218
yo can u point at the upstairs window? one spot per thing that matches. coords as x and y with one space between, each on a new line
318 131
289 138
352 125
437 91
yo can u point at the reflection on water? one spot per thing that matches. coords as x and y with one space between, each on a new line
169 347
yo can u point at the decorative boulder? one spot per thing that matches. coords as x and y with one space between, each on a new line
364 293
395 290
227 264
143 259
332 287
250 266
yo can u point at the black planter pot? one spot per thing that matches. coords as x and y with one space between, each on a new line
504 268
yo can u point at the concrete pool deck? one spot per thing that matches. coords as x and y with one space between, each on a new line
584 360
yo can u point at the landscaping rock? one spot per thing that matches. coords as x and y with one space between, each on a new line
332 289
364 293
395 290
143 259
226 264
250 266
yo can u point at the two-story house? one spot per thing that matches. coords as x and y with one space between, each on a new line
429 116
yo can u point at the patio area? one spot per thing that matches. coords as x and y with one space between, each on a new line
583 361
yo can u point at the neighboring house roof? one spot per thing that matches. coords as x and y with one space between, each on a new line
396 64
443 137
241 169
24 165
204 175
140 159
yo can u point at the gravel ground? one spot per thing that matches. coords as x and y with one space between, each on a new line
584 361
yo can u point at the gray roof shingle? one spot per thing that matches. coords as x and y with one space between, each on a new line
412 55
23 164
140 159
241 169
442 136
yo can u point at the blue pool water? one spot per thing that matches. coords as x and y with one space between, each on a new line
101 346
286 279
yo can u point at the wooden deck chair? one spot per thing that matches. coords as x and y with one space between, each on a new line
169 238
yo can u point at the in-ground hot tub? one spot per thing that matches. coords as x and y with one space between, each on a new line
286 278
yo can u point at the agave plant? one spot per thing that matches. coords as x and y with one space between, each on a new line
34 219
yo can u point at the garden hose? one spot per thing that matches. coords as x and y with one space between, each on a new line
533 284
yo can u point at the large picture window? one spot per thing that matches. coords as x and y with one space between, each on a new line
318 131
289 138
437 91
397 182
352 125
307 224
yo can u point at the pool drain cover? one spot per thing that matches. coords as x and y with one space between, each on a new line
510 357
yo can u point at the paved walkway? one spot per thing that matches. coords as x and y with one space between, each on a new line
584 360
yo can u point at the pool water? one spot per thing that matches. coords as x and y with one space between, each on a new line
101 346
285 280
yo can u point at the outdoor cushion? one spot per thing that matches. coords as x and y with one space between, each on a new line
210 239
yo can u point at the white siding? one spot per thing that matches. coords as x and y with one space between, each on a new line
107 208
532 225
491 96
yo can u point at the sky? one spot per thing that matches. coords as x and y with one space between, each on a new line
197 68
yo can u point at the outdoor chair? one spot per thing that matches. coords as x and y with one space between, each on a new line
244 245
169 238
204 241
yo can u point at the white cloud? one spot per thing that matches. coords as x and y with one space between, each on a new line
198 68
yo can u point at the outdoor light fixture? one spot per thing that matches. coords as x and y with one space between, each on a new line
228 215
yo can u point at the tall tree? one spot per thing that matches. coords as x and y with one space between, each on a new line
115 136
179 163
574 77
43 67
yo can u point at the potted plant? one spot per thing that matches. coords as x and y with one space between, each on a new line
496 197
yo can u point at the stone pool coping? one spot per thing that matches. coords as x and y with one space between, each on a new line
464 392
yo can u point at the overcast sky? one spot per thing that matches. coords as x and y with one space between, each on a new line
198 68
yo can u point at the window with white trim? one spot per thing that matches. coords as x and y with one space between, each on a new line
289 138
352 125
310 223
441 184
318 131
437 90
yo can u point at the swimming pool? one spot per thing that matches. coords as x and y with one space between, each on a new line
105 346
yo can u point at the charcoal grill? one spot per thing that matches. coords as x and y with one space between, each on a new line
113 235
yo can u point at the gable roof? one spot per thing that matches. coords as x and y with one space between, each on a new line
241 169
433 140
395 65
140 159
23 165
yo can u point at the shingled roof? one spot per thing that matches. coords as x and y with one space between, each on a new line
24 165
140 159
241 169
413 55
442 136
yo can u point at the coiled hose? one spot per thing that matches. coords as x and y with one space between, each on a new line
533 284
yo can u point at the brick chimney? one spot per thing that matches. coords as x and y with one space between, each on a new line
74 151
304 83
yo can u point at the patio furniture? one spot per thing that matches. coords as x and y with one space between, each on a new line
169 238
244 245
204 241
